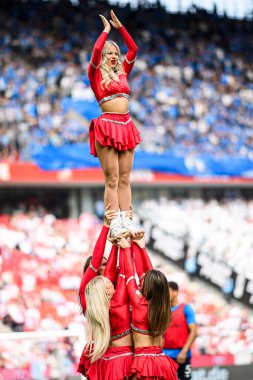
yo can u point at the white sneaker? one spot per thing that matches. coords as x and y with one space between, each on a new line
126 223
116 228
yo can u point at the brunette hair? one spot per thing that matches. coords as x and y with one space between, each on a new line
156 291
173 286
86 264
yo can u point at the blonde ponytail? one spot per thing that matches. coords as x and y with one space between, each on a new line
97 313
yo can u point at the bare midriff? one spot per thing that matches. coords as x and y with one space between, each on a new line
125 341
142 340
118 105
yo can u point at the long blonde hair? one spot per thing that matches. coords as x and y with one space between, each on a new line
97 313
108 73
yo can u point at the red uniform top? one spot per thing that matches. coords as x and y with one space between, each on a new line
111 270
138 302
178 332
141 260
95 263
120 317
115 89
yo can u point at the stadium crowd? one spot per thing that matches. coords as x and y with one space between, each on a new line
41 263
191 86
218 230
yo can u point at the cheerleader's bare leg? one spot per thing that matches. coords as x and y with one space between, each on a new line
124 189
109 162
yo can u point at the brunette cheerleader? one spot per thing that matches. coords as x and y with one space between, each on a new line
150 319
113 135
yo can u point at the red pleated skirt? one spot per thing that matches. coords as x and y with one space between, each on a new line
115 130
115 364
84 362
150 363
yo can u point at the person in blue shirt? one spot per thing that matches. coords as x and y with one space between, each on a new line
181 333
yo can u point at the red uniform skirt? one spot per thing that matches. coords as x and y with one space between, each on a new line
84 362
150 363
115 364
116 130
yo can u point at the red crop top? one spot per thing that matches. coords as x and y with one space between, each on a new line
95 263
138 302
120 316
115 89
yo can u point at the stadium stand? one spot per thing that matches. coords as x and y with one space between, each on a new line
191 94
220 230
191 87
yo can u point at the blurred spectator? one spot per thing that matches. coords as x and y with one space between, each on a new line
191 86
228 289
180 334
219 235
212 230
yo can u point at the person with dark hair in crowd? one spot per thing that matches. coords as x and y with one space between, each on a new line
181 333
113 135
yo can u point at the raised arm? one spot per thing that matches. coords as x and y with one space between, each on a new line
141 258
111 265
121 296
97 256
132 50
97 50
131 46
128 267
95 263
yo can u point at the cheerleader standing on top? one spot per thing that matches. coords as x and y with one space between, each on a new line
113 135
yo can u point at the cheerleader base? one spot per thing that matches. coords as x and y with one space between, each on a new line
115 130
115 364
150 363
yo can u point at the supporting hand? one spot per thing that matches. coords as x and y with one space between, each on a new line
123 243
138 237
140 241
109 215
